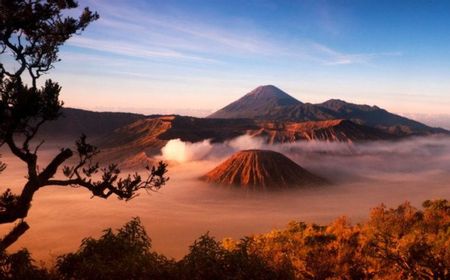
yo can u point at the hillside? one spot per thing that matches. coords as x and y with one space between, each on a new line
261 170
376 117
74 122
148 135
330 130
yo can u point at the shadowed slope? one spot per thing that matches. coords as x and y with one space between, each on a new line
74 122
256 103
377 117
261 169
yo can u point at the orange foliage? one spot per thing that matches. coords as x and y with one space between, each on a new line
395 243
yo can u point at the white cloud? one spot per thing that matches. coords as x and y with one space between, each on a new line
133 50
177 35
334 57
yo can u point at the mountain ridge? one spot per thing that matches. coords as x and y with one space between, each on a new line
138 137
373 116
338 130
74 122
149 135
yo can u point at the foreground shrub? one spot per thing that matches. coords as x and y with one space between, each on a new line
394 243
397 243
20 266
209 259
122 255
410 244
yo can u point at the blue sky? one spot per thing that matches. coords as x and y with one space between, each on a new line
196 56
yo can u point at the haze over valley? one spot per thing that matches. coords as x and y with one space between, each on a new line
365 161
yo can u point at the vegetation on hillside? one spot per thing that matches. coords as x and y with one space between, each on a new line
394 243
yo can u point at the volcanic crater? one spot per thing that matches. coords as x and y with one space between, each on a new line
262 170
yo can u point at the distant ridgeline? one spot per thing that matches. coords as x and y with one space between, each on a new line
269 103
265 112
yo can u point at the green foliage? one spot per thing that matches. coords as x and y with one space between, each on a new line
205 259
395 243
20 104
33 31
122 255
208 259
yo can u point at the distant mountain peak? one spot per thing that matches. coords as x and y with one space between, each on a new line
270 91
258 102
270 103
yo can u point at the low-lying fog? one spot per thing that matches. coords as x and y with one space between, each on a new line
364 176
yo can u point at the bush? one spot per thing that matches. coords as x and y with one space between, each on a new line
122 255
19 266
395 243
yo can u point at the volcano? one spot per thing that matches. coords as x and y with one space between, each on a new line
269 103
261 170
257 104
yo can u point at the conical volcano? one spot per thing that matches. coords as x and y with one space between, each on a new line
261 169
256 103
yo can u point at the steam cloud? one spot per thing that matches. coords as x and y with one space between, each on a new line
364 175
179 151
414 157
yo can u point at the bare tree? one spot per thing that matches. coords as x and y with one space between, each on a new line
31 32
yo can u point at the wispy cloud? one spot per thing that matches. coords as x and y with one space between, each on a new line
333 57
178 35
182 31
132 50
126 30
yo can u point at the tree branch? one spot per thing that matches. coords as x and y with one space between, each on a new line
19 57
52 167
111 184
13 235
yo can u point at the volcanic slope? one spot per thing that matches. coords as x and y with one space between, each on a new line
269 103
261 170
149 135
330 131
257 103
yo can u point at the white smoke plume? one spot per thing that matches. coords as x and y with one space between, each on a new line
340 161
179 151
